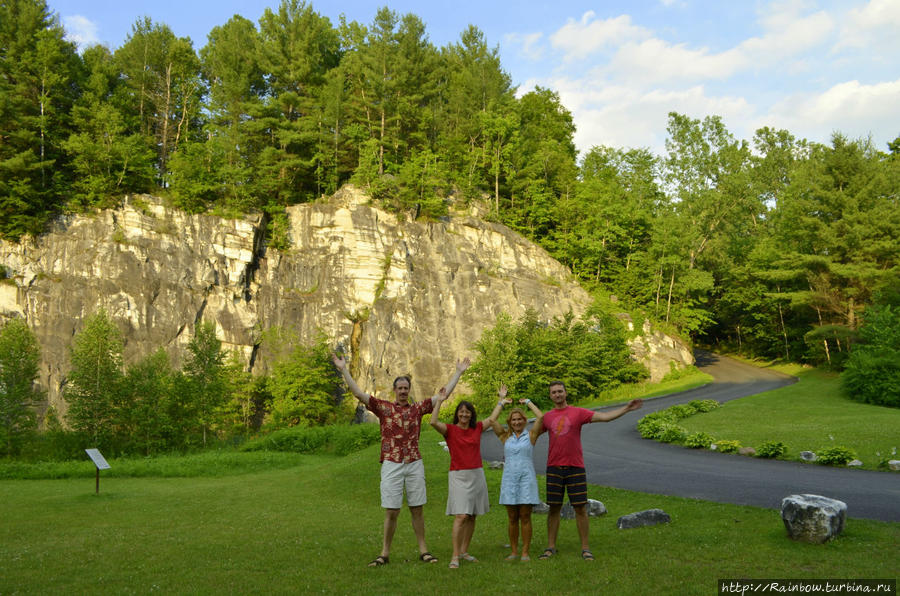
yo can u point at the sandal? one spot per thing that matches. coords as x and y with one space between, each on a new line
427 557
379 561
587 555
548 552
525 558
468 557
512 557
454 563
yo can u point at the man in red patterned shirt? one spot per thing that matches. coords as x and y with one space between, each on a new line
401 462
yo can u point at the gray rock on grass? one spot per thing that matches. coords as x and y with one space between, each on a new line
650 517
813 518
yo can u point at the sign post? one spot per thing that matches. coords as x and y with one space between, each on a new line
100 462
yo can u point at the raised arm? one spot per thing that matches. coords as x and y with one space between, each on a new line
492 419
461 366
341 364
438 400
538 427
634 404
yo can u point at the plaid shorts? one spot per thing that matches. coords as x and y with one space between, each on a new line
562 479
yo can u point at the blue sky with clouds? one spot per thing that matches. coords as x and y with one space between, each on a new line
621 66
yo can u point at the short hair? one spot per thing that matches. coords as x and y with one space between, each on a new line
552 383
406 378
468 405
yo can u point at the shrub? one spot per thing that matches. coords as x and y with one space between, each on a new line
652 425
672 433
699 440
835 456
873 369
704 405
728 446
771 449
682 411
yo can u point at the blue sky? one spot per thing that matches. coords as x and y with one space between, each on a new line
621 66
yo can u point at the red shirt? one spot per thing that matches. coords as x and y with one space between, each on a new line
564 428
465 447
400 426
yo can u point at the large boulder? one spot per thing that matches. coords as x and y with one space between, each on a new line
813 518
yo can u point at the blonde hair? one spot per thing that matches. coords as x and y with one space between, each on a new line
516 410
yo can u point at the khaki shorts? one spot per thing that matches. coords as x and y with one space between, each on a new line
397 477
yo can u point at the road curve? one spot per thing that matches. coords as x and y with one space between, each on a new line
616 455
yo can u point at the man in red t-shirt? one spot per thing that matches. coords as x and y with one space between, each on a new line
401 462
565 463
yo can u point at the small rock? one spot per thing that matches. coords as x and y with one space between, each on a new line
713 447
594 508
747 451
807 456
854 464
442 443
541 508
650 517
894 464
813 518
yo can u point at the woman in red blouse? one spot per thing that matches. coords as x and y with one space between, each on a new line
467 495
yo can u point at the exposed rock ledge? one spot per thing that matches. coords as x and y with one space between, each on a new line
410 297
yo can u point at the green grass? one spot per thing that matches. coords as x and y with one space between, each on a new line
688 379
312 527
807 416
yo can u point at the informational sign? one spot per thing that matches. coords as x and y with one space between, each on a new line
97 458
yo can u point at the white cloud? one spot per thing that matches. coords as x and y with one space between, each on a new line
874 24
850 107
579 39
654 61
80 30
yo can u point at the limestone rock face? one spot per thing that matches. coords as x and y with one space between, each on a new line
401 296
813 518
659 352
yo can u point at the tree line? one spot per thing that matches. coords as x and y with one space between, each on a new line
774 246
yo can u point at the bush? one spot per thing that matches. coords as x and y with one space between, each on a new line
704 405
672 433
699 440
652 425
835 456
682 411
771 449
728 446
872 375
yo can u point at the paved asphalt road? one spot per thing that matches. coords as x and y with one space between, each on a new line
616 455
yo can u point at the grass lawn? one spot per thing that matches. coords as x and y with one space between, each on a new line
688 379
807 416
313 526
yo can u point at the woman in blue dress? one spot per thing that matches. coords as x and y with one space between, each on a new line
518 488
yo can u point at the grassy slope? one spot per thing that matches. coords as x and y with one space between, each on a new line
314 526
807 416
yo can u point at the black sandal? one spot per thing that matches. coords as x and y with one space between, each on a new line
587 555
427 557
379 561
548 552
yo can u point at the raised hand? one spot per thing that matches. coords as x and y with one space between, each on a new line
462 365
339 361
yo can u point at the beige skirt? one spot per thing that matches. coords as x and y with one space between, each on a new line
467 492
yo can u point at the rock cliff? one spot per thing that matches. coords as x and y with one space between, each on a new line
408 297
